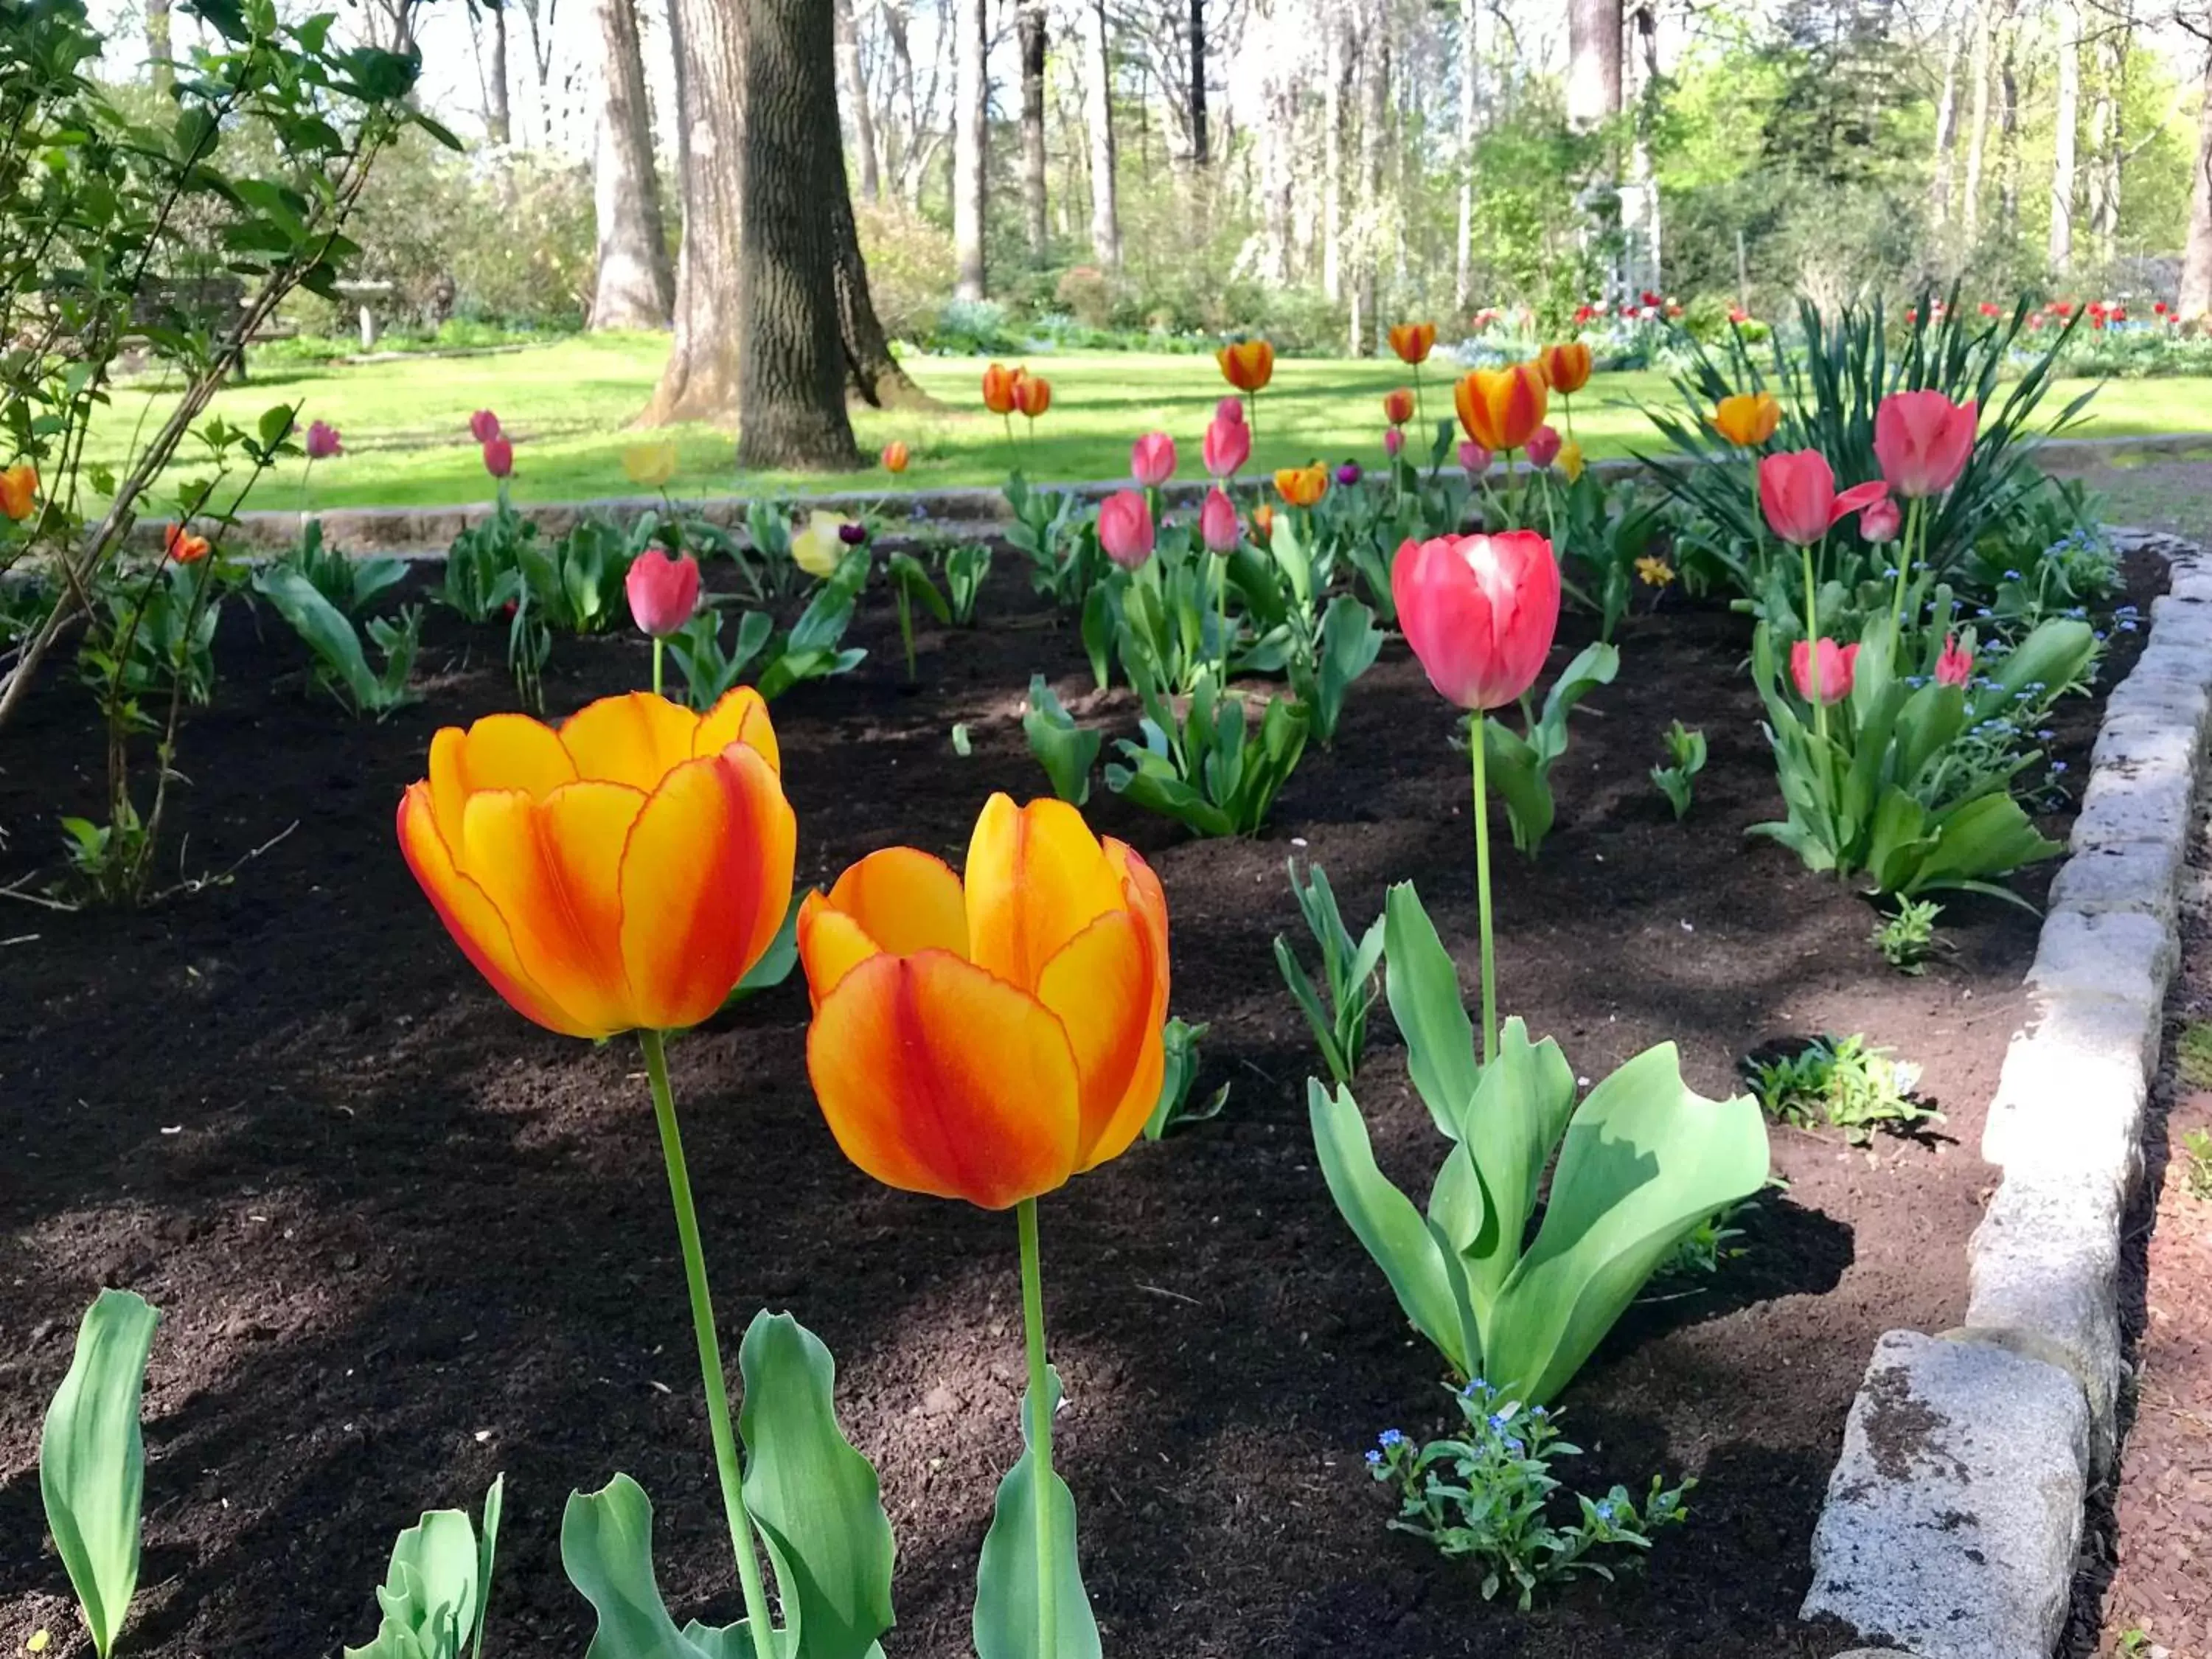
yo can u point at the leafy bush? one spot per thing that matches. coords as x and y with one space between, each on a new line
1843 1083
910 268
1208 769
1906 938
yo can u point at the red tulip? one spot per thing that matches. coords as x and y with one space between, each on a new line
1153 459
1797 492
1398 405
1835 667
1544 446
1924 441
1217 522
499 456
1478 612
484 426
1125 528
1955 666
1228 440
1880 521
663 592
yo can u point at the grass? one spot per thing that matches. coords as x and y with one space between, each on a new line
568 405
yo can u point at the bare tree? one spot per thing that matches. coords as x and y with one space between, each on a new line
1098 100
853 86
1594 30
1036 217
1978 130
2008 131
1200 149
635 288
2196 296
2066 124
970 136
159 44
487 30
699 382
1374 60
1470 110
1946 123
1332 180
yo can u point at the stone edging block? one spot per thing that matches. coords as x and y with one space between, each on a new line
1952 1518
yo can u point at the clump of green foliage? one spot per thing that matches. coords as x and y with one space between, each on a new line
1686 758
1842 1083
2197 1162
2193 1055
1907 939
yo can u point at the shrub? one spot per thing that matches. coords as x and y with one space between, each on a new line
910 268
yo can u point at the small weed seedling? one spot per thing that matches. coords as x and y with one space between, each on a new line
1841 1082
1700 1254
2194 1055
1907 939
1483 1496
2196 1163
1686 758
1175 1108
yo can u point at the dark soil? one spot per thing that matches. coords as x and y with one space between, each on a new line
404 1240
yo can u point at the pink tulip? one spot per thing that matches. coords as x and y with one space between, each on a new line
1474 459
1955 666
1797 491
499 455
1228 440
1217 523
1125 528
1153 459
1478 612
323 441
1880 521
1394 441
484 426
1924 441
663 592
1835 664
1544 446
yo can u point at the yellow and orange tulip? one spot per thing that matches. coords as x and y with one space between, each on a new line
1032 394
1748 419
1412 342
622 872
1263 521
1247 364
183 546
1398 405
1566 367
987 1039
1302 486
1502 408
19 490
896 455
999 388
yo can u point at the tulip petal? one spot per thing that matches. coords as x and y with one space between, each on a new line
741 716
637 739
1036 878
1147 900
906 900
937 1077
1102 987
830 946
471 918
706 880
500 752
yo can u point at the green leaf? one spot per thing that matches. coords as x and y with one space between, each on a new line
324 628
1006 1614
607 1549
1423 987
436 1589
1064 750
92 1459
1520 1110
813 1498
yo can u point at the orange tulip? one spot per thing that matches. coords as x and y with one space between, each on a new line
897 455
1748 419
1263 521
1247 364
1413 341
19 490
1398 405
183 546
1501 408
1566 367
999 388
1302 486
1032 395
622 872
988 1041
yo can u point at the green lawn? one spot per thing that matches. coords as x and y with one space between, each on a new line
568 405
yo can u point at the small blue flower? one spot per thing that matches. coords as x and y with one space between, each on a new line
2045 735
1497 1420
1373 1458
2058 766
2012 575
1981 611
2126 626
1514 1446
1540 1413
1604 1510
1890 573
1391 1440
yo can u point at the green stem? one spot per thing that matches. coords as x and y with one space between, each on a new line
659 650
1221 613
1482 887
1813 643
1912 526
1421 403
710 1349
1040 1404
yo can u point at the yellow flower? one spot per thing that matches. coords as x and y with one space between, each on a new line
1570 461
818 549
650 465
1748 419
1654 572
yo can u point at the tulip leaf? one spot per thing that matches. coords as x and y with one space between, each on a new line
607 1549
1644 1161
776 962
1007 1616
435 1590
1419 1264
92 1459
1520 1110
1423 987
814 1498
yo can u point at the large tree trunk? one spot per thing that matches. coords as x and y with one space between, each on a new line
1098 101
792 402
872 374
2110 121
970 134
1470 109
700 380
1278 140
635 288
1035 216
1947 127
1199 147
160 44
1978 132
2196 296
1331 182
1593 29
854 92
2008 134
499 111
1373 101
2066 124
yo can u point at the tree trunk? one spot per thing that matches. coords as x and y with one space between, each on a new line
1332 185
1977 133
1279 138
1098 99
853 90
2112 149
700 380
2196 296
1036 214
1200 149
971 97
160 42
792 402
1593 63
1947 128
1470 108
2066 124
1373 101
635 289
2008 135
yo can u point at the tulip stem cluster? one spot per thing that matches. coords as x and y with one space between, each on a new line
1913 528
1813 638
1479 734
1040 1404
710 1348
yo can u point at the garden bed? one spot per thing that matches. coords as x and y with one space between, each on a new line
404 1240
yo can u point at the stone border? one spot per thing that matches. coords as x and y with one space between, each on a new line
1954 1513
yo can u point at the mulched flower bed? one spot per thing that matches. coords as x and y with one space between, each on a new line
403 1240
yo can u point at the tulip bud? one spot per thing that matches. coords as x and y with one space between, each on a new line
1348 474
1880 521
1394 441
1474 459
895 455
1125 528
852 533
663 592
1217 523
1230 409
484 426
1955 666
323 441
1834 667
499 456
1228 442
1544 446
1153 459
